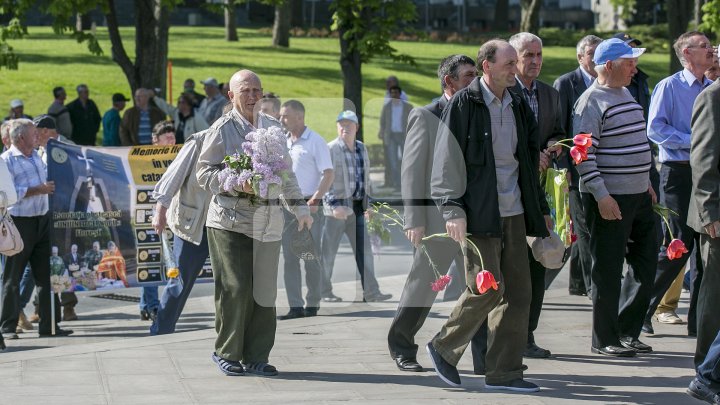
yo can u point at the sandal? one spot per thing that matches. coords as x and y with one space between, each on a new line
228 367
263 369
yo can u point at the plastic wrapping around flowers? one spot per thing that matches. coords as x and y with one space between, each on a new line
261 164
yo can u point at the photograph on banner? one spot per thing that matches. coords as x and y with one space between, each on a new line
102 236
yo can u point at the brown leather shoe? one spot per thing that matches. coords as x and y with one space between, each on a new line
35 318
69 313
24 323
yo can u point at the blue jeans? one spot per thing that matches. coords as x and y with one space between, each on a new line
313 268
149 299
356 231
708 372
190 259
27 285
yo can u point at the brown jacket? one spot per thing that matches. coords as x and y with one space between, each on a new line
131 122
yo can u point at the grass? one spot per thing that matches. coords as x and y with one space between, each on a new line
308 70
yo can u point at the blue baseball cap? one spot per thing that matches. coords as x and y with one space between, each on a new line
613 49
348 115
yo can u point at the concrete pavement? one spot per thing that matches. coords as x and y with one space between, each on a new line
338 357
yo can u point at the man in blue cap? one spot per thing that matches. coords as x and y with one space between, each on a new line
617 199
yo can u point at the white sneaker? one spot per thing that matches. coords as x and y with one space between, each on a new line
668 317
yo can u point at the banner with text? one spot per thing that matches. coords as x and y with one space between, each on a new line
102 208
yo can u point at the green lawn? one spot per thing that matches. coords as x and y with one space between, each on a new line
308 70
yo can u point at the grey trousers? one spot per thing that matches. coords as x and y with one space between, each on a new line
506 309
708 321
245 272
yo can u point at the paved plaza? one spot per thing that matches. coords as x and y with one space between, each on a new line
338 357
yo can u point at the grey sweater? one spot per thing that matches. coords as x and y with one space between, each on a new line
619 159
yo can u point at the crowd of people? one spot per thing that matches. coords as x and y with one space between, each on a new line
468 164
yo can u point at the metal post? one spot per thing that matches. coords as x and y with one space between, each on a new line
52 310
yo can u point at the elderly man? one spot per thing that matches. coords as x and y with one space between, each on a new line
138 121
59 111
617 200
212 105
314 170
704 214
17 110
485 176
544 102
422 218
669 127
570 86
85 117
31 216
346 204
244 239
178 195
189 87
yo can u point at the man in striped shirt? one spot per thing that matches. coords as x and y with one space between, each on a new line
617 200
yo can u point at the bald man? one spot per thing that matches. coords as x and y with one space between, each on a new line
244 238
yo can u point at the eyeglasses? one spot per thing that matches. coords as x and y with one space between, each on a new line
701 46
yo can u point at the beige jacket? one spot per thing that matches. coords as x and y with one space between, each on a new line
179 191
262 222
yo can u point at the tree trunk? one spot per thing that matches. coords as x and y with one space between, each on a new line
681 12
281 26
530 15
698 13
351 65
119 55
230 23
501 22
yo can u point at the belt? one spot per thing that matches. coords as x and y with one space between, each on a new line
678 162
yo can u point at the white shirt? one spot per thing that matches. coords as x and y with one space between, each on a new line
396 124
311 157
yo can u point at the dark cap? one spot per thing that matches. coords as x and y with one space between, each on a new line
117 97
44 121
627 38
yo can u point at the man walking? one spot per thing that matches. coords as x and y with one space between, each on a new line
485 176
59 111
244 253
669 127
313 167
617 200
393 124
422 218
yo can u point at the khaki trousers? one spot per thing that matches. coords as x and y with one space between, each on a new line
506 309
245 273
670 300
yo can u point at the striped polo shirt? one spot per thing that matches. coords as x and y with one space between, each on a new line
619 159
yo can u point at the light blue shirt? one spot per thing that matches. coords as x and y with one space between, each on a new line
26 172
670 113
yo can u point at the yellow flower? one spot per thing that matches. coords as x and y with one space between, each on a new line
173 272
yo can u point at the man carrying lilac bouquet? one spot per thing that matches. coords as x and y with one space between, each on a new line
244 232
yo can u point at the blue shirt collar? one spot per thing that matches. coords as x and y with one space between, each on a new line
690 78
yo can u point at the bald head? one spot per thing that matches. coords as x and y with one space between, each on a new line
245 92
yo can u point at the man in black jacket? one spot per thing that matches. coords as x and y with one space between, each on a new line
570 86
485 178
422 218
85 118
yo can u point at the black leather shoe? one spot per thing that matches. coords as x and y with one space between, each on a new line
311 311
635 344
294 313
58 333
577 292
536 352
615 351
332 298
408 364
446 371
698 389
377 297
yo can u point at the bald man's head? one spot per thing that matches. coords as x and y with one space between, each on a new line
245 92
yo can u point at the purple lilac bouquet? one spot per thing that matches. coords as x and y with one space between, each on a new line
261 162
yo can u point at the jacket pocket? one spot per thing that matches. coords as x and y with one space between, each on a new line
475 152
188 217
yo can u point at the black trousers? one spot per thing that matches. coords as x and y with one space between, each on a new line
537 283
417 299
580 260
620 304
36 237
675 193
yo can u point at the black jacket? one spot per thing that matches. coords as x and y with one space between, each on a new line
85 122
463 177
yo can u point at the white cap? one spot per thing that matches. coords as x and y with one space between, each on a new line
16 103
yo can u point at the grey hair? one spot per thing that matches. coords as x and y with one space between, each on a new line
600 69
683 42
450 65
18 128
520 40
588 40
